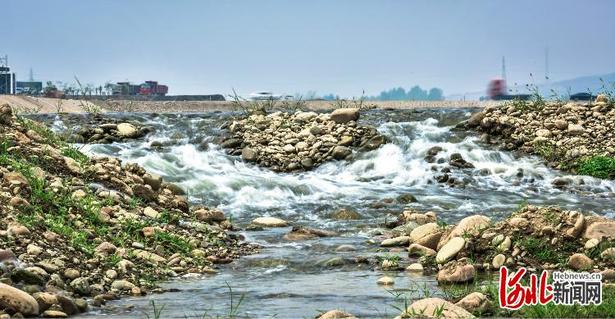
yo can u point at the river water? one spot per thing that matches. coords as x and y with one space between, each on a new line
299 279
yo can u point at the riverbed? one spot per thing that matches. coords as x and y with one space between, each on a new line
300 279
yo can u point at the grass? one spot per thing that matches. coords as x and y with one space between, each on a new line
598 166
233 311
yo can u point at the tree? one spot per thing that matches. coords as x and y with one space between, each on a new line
435 94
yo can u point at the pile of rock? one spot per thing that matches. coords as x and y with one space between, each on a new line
300 141
73 228
564 134
107 133
533 237
519 240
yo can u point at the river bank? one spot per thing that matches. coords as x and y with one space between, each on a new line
27 104
75 227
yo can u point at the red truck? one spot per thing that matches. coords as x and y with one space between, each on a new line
153 88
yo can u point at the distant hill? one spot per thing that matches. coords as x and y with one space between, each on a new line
564 87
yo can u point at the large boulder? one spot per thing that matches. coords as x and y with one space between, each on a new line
600 230
336 314
426 235
436 308
270 222
456 272
13 298
127 130
469 225
450 250
345 115
474 302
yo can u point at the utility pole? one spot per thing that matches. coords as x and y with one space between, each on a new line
547 63
504 68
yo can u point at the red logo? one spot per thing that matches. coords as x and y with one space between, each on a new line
513 295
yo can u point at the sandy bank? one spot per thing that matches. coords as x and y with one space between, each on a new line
29 104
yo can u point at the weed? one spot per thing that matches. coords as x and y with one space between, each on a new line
598 166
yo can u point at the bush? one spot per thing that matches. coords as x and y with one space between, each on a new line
598 166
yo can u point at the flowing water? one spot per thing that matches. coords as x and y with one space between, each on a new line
297 279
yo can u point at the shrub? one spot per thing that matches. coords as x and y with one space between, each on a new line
598 166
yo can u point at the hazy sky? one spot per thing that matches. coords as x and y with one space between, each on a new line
296 46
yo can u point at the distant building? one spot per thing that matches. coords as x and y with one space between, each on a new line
28 87
7 80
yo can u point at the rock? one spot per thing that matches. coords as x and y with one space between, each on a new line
427 235
578 228
307 162
7 255
68 305
456 272
345 248
175 189
602 98
436 308
600 230
385 281
456 160
106 248
34 250
122 285
148 256
474 302
415 267
270 222
340 152
71 273
498 261
248 154
406 198
397 241
80 285
127 130
153 180
27 276
336 314
345 214
15 179
561 124
450 250
505 244
575 129
13 298
17 230
209 215
543 133
608 254
306 233
580 262
345 115
144 192
45 300
591 243
476 119
420 250
468 225
345 140
54 314
6 114
420 219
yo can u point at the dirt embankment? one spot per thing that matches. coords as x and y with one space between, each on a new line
29 104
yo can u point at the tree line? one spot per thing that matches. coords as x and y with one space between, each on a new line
415 93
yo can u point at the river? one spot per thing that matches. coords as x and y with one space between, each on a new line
299 279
